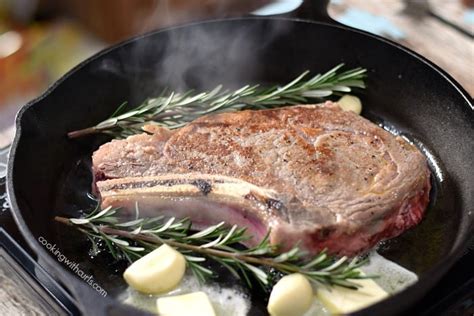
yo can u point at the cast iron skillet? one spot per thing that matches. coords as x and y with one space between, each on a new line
413 95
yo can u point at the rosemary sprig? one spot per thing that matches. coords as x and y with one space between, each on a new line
173 110
132 239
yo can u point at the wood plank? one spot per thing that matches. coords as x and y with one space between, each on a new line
445 46
6 136
453 11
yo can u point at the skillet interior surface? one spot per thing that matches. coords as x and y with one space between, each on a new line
48 174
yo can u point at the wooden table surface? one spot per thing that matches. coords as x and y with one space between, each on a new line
440 30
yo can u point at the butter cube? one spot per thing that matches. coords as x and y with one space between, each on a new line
350 103
196 304
157 272
339 300
291 296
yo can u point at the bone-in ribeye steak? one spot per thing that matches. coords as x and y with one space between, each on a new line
313 174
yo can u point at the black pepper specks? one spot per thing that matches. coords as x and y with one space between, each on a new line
203 186
274 204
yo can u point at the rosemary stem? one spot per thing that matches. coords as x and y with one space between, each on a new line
151 232
82 132
197 249
178 109
63 220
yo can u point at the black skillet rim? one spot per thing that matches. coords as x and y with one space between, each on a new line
438 269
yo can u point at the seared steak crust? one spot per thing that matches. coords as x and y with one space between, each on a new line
310 173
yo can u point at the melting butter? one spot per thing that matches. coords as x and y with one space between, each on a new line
232 301
393 278
226 301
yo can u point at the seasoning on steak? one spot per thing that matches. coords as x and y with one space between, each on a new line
313 174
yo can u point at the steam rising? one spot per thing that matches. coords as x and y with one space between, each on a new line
196 56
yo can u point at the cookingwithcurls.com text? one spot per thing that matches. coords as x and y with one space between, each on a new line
74 266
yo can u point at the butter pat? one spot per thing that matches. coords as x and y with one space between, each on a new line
291 296
350 103
196 304
159 271
339 300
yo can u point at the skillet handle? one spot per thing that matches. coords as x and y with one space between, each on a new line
314 10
